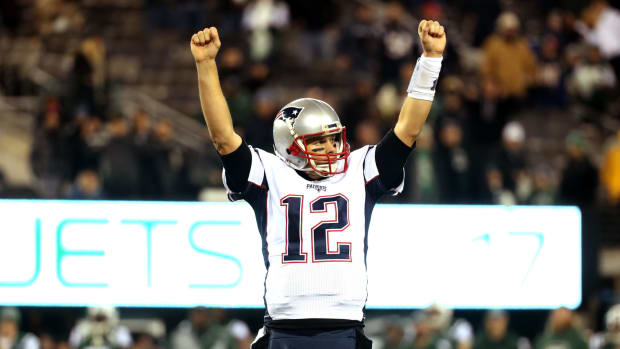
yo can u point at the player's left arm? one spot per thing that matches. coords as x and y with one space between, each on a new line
421 90
392 151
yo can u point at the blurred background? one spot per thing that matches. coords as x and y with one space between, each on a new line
99 100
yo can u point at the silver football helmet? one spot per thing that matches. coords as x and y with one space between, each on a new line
305 119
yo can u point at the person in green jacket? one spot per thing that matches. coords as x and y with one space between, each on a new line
495 334
561 333
202 330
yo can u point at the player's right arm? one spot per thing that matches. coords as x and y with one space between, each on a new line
204 45
237 159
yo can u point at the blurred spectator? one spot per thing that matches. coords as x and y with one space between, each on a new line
360 38
423 184
319 35
453 165
87 187
187 15
592 80
259 16
485 13
496 191
452 103
202 331
394 335
580 177
260 124
241 333
426 335
119 165
431 9
511 156
488 114
232 69
231 62
47 341
555 28
524 186
87 141
610 338
201 169
141 130
543 193
508 58
495 334
610 170
238 99
258 76
49 156
142 138
100 329
397 41
458 332
356 108
367 132
599 25
158 176
549 76
389 101
10 335
58 16
50 342
89 76
561 332
145 341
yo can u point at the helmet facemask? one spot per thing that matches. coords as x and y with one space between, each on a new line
322 163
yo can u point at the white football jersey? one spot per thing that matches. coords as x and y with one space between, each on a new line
314 235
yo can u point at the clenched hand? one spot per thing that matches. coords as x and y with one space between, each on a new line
433 37
205 44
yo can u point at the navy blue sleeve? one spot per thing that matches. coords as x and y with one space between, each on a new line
237 165
391 156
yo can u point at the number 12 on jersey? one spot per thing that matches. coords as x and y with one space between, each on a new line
320 252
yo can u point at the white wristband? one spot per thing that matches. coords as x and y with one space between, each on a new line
424 79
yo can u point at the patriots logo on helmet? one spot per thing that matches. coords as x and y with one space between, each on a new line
289 113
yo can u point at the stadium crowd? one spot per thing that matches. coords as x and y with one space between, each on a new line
489 140
527 112
430 328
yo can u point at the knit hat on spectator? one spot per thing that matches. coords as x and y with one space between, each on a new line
514 132
577 139
507 21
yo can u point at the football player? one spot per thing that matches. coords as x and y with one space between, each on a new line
314 197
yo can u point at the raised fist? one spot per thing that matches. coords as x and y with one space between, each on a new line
205 44
433 38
